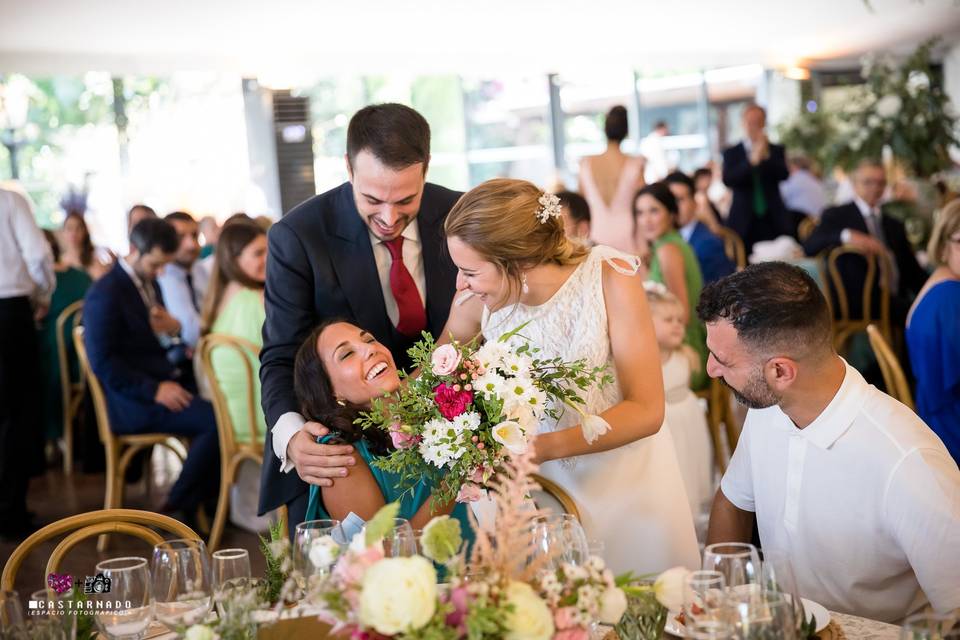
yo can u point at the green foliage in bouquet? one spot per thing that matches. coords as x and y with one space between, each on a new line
276 551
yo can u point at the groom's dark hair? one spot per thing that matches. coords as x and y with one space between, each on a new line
394 133
773 306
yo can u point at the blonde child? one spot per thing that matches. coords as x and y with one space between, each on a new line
685 416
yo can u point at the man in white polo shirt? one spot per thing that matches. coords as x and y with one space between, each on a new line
850 484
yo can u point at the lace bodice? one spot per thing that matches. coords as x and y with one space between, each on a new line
571 325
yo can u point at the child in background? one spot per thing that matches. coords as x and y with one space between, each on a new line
685 417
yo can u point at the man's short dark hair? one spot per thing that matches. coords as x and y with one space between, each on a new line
771 305
660 124
701 172
616 126
394 133
152 233
679 177
182 216
576 204
149 210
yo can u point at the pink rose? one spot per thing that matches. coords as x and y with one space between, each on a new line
460 600
579 633
563 617
401 439
451 403
469 492
444 360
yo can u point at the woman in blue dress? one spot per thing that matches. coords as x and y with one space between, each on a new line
338 371
933 333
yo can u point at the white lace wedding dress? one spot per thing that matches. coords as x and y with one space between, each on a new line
632 498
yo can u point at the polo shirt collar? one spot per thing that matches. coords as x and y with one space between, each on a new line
840 414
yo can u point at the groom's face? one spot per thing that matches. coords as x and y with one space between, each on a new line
737 367
388 199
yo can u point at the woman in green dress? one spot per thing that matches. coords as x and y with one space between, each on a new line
338 372
672 263
72 285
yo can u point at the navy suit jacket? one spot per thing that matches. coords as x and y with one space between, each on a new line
738 175
123 349
714 263
320 265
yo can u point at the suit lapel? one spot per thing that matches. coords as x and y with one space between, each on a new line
356 268
855 219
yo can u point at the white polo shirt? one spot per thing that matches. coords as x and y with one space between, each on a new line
865 501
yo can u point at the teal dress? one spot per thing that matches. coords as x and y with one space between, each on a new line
410 501
696 333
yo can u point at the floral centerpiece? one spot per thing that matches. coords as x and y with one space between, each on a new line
472 406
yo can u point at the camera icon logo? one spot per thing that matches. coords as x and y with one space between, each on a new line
96 584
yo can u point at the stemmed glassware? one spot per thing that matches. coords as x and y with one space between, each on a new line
705 611
931 626
182 585
778 577
130 610
231 571
401 542
559 539
739 563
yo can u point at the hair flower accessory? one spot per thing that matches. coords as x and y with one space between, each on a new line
549 207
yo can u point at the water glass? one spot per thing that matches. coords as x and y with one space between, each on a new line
11 612
778 577
557 540
401 542
231 571
931 626
705 603
182 585
129 596
52 621
737 561
759 614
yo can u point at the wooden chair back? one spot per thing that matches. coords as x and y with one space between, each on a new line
893 376
557 493
879 270
245 351
733 246
96 389
71 390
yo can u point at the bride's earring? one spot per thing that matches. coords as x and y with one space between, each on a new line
523 283
341 402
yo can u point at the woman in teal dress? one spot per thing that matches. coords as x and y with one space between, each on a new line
72 285
338 371
672 263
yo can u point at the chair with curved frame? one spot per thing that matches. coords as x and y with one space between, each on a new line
893 376
806 227
86 525
120 449
733 246
844 326
232 452
557 493
70 389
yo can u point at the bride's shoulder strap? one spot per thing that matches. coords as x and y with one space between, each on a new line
621 262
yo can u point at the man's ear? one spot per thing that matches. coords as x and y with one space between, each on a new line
780 373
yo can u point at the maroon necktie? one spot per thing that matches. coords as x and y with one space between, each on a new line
412 317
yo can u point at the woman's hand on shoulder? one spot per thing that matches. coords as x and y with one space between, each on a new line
463 323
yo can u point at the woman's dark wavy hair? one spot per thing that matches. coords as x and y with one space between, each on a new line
318 402
660 192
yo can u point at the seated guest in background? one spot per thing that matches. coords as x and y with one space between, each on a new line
210 231
125 320
933 333
264 222
803 191
704 185
848 483
78 250
183 282
576 215
333 385
671 262
72 285
234 306
862 224
753 169
137 213
714 263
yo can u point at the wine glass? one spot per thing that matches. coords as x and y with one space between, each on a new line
401 542
739 563
182 588
705 605
559 539
50 624
11 612
778 577
231 571
595 548
931 626
759 614
129 594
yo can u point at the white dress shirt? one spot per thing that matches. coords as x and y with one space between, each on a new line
26 261
178 299
289 423
865 501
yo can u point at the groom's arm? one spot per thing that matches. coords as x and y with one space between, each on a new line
728 522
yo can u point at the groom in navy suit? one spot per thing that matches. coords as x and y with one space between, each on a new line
371 252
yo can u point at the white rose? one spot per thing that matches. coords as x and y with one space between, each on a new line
917 80
613 604
530 618
323 552
511 436
199 632
398 595
888 106
873 121
669 587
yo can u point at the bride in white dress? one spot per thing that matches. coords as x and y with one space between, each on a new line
516 267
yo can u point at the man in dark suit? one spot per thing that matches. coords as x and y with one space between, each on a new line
124 324
371 252
708 247
753 169
861 224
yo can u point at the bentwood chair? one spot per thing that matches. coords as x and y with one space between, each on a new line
893 376
878 270
71 390
551 492
733 246
120 449
806 227
232 452
86 525
721 421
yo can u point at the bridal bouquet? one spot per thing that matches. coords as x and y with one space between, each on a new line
473 406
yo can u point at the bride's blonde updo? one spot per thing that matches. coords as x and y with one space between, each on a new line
498 219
